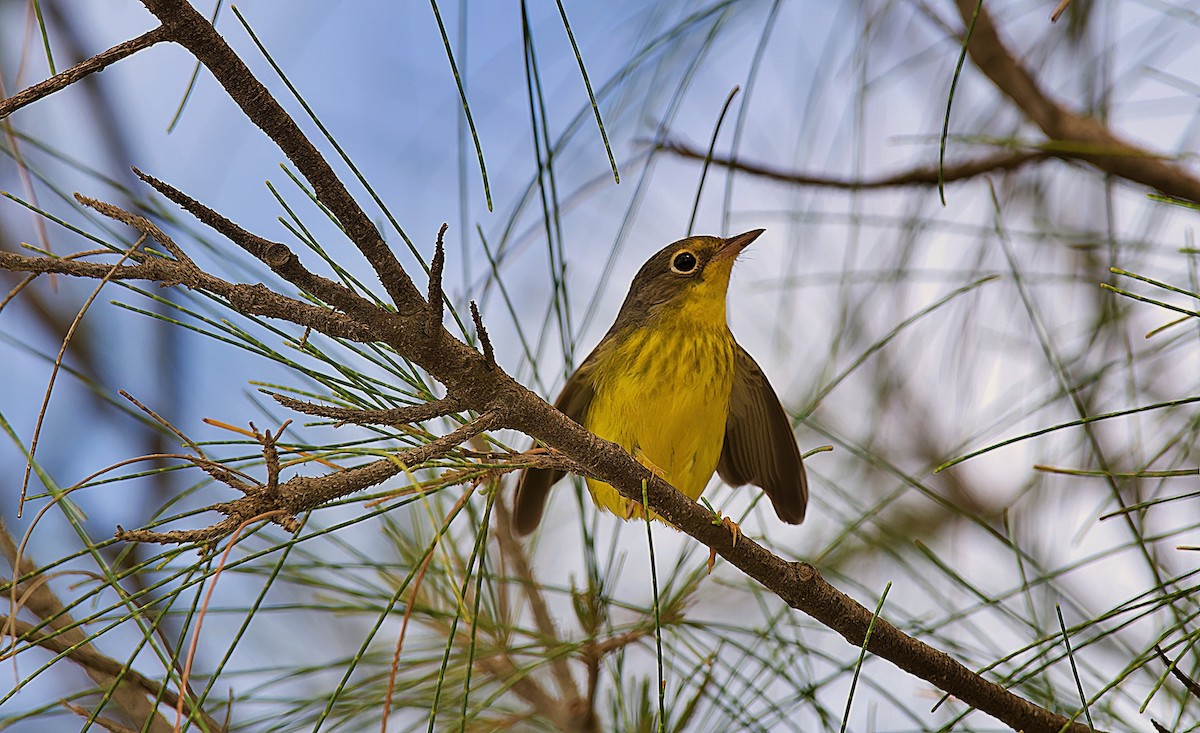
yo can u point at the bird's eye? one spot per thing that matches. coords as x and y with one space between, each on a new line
683 263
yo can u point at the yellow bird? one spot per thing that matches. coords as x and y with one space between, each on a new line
669 384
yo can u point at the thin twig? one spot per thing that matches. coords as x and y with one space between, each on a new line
37 428
1190 684
300 494
107 724
436 306
282 260
488 354
212 585
64 79
396 416
918 176
246 299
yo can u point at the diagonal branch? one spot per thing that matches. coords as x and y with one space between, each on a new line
192 31
64 79
282 260
1085 137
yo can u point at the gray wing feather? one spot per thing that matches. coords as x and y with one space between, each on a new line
760 447
534 485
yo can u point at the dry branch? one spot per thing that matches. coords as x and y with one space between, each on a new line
919 176
300 494
64 79
1085 138
396 416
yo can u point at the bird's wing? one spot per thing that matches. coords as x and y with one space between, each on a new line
573 401
760 447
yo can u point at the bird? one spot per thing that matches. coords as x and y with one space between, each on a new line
670 385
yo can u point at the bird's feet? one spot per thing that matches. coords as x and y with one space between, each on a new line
721 519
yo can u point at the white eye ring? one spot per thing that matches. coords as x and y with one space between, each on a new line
684 263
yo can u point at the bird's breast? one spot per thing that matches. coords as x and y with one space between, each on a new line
662 393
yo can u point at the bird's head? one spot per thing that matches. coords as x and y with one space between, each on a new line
687 280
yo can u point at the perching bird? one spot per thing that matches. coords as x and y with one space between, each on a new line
669 384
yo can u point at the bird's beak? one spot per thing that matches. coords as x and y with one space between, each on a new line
734 245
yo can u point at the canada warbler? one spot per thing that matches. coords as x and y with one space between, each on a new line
670 385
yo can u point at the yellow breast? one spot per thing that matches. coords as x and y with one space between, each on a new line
662 393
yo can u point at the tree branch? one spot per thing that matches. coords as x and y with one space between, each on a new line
396 416
247 299
191 30
95 64
1085 138
304 493
919 176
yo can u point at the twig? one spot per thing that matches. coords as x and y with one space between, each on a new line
107 724
1058 11
395 416
216 470
37 428
64 79
300 494
271 460
436 306
919 176
143 225
247 299
1190 684
488 354
274 255
183 439
212 585
599 649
